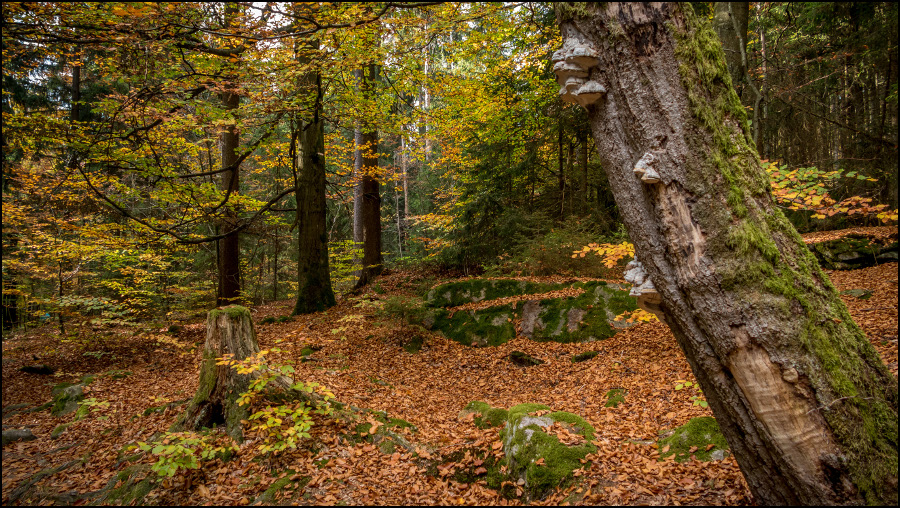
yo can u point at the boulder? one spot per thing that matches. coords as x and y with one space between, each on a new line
544 447
588 316
854 251
13 435
693 439
66 398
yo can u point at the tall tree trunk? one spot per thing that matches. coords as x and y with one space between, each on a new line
731 23
229 247
369 202
314 292
805 402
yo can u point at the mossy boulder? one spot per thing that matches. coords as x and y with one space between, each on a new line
485 415
586 317
693 439
477 290
853 252
385 436
66 398
534 451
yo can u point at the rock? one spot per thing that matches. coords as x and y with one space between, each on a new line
13 435
536 456
523 359
693 439
37 369
853 252
66 397
586 317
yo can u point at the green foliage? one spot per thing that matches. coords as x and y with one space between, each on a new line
184 450
698 399
343 261
284 426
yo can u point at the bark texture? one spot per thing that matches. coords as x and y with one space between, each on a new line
229 331
313 277
807 406
229 254
367 203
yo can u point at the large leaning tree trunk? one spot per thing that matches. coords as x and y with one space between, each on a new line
314 291
805 402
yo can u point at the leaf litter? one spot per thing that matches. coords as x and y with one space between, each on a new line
365 365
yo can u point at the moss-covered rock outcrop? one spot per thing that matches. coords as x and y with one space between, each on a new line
477 290
854 251
694 439
542 447
586 316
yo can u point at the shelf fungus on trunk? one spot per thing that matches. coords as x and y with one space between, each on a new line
572 65
644 169
643 288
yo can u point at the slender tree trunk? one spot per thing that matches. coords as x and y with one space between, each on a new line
369 189
731 23
229 258
229 247
805 402
314 292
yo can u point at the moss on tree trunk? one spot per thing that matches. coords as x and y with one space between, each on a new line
229 331
807 406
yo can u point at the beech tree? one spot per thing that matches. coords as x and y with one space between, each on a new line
805 402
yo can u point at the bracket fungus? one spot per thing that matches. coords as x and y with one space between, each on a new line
642 288
644 169
572 65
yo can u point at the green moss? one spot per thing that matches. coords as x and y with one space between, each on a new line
131 491
285 481
232 311
615 397
59 429
526 408
697 434
475 290
580 425
525 446
582 357
414 344
486 327
486 416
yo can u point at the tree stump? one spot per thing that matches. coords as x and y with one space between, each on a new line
229 330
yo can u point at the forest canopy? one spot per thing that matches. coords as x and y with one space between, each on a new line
114 182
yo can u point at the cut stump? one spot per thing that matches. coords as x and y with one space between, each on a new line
229 331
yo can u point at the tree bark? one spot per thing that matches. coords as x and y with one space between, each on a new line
369 197
229 247
313 277
805 402
731 23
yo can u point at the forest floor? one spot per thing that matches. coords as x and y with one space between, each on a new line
362 360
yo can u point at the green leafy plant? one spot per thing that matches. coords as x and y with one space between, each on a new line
184 450
283 426
697 400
